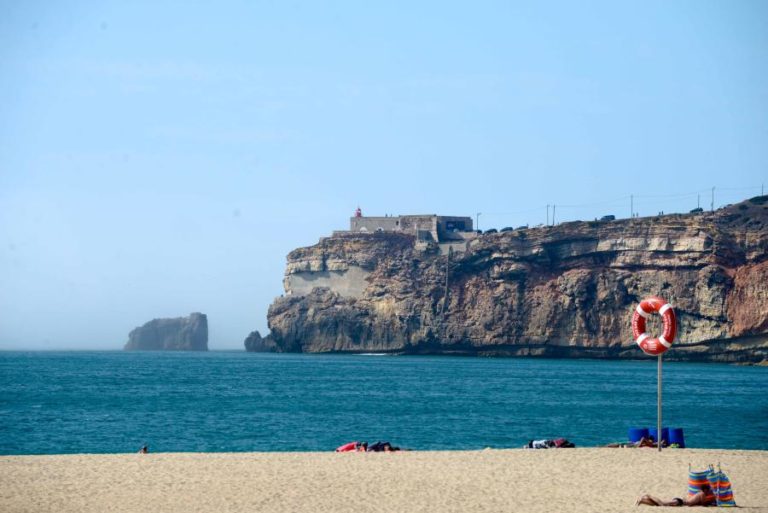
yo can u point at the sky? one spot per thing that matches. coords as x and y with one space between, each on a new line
161 158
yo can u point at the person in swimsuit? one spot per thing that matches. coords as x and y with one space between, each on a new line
643 442
700 499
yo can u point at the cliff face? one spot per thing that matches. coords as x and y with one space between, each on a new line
180 334
567 290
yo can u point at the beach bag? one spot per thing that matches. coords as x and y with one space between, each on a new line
721 485
696 482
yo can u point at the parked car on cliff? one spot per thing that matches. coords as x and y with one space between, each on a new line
492 230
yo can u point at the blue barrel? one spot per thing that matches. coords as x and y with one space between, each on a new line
664 435
676 437
635 434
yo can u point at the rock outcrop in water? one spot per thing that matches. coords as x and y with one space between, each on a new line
179 334
255 343
565 290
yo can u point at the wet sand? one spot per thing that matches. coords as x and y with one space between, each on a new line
555 480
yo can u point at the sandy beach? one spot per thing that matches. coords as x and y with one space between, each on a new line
583 480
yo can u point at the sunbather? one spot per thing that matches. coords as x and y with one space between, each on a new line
353 447
643 442
702 498
557 443
382 447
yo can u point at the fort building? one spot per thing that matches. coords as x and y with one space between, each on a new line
426 228
442 235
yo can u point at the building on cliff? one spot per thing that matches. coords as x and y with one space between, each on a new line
429 227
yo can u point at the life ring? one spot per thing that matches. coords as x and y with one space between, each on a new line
649 305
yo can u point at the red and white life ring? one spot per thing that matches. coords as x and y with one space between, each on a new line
649 305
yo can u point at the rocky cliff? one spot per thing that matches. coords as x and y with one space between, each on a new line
180 334
565 290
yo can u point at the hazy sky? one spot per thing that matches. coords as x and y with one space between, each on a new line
159 158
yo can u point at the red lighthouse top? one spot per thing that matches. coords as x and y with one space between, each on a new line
358 212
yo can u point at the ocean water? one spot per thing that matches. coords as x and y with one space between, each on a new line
112 402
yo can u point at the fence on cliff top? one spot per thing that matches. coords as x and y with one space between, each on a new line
552 213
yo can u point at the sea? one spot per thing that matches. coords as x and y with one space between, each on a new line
114 402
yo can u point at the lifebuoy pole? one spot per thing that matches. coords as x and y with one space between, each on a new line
658 410
655 346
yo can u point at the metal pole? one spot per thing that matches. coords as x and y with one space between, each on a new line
553 214
658 412
477 222
447 271
712 205
631 206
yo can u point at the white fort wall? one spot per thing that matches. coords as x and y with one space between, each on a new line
439 228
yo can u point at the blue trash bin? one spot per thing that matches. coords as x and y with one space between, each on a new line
635 434
664 435
676 436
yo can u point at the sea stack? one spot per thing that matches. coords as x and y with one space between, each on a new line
255 343
179 334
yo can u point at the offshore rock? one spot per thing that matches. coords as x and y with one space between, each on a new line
256 344
179 334
558 291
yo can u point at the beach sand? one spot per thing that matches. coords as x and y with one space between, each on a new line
556 480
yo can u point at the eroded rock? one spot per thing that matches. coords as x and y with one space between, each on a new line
567 290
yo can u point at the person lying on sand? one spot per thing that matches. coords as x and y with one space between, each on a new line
643 442
700 499
364 447
353 447
382 447
557 443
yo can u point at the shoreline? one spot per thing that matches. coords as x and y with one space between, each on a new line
582 479
686 353
692 450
